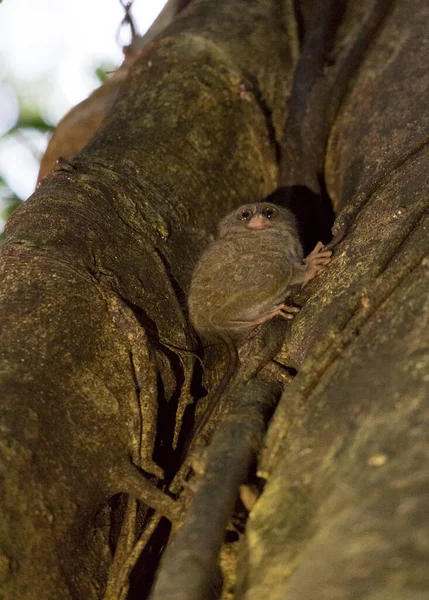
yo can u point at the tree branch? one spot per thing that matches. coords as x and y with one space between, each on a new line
190 562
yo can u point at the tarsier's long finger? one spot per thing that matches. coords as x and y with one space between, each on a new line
321 261
291 309
317 253
286 315
314 252
287 311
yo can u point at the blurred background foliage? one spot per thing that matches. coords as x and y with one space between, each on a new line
27 139
10 203
52 56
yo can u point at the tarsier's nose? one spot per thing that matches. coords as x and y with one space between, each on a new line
258 221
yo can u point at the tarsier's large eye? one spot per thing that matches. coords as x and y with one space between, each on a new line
270 212
245 214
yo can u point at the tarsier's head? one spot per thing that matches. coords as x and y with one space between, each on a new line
258 217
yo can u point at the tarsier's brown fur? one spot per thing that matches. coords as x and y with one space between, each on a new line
244 276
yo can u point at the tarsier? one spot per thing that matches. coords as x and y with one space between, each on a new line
246 274
244 277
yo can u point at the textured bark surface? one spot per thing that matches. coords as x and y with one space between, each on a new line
79 125
344 514
94 274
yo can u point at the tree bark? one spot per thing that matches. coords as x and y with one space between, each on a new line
344 513
94 275
95 270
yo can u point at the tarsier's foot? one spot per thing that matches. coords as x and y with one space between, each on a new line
316 261
282 310
286 311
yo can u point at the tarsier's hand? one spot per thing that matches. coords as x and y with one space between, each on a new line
316 261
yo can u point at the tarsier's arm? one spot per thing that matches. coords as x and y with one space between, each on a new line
314 264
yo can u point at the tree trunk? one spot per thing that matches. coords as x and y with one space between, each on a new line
344 514
94 276
95 338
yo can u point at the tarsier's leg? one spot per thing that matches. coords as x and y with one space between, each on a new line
282 310
314 263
